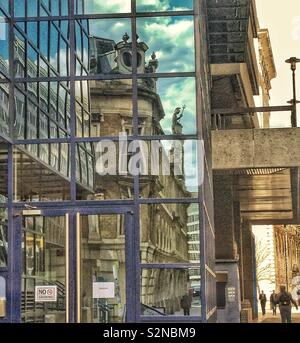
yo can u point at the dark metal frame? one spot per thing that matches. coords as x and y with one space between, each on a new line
119 206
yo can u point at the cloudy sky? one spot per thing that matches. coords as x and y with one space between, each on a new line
283 22
124 6
172 39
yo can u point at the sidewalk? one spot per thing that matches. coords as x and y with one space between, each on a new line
269 318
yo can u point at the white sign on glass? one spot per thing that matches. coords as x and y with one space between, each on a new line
103 290
45 294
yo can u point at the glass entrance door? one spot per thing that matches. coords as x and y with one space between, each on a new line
97 245
45 268
101 268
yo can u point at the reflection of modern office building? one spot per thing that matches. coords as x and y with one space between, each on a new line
194 243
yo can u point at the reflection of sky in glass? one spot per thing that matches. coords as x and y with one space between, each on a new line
172 38
4 4
176 92
4 47
110 28
110 6
163 5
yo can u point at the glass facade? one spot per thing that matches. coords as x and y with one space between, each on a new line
102 110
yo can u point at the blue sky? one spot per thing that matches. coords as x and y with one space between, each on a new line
176 92
124 6
172 39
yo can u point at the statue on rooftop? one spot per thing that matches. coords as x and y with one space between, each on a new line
176 125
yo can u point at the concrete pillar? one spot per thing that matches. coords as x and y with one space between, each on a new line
227 219
238 241
224 217
248 266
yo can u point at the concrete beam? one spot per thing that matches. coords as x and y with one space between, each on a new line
256 148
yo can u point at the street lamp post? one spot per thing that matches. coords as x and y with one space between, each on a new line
286 260
293 62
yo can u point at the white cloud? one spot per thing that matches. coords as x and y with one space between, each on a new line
172 39
164 5
111 6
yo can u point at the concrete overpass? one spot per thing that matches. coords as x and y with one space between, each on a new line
267 163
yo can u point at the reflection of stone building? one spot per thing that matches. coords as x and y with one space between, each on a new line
268 71
287 258
164 237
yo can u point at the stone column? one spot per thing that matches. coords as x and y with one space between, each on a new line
248 260
238 241
224 217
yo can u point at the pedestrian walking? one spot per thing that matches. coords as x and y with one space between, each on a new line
186 304
273 303
285 301
263 302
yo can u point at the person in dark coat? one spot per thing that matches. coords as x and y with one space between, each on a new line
263 301
273 303
186 304
285 301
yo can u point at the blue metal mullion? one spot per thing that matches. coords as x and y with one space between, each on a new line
130 270
136 180
200 134
169 265
72 102
14 279
72 268
72 216
104 77
16 270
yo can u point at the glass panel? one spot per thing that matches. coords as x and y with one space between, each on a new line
48 107
107 172
85 167
3 173
19 8
103 107
4 109
169 233
51 47
2 297
163 5
103 271
167 106
32 6
167 169
44 264
4 4
58 7
99 7
170 292
42 172
3 238
4 49
172 40
110 46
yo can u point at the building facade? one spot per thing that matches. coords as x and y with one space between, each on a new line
75 81
287 239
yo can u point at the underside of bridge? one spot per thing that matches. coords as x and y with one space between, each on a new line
266 163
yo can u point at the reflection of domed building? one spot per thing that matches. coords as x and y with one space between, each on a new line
163 233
